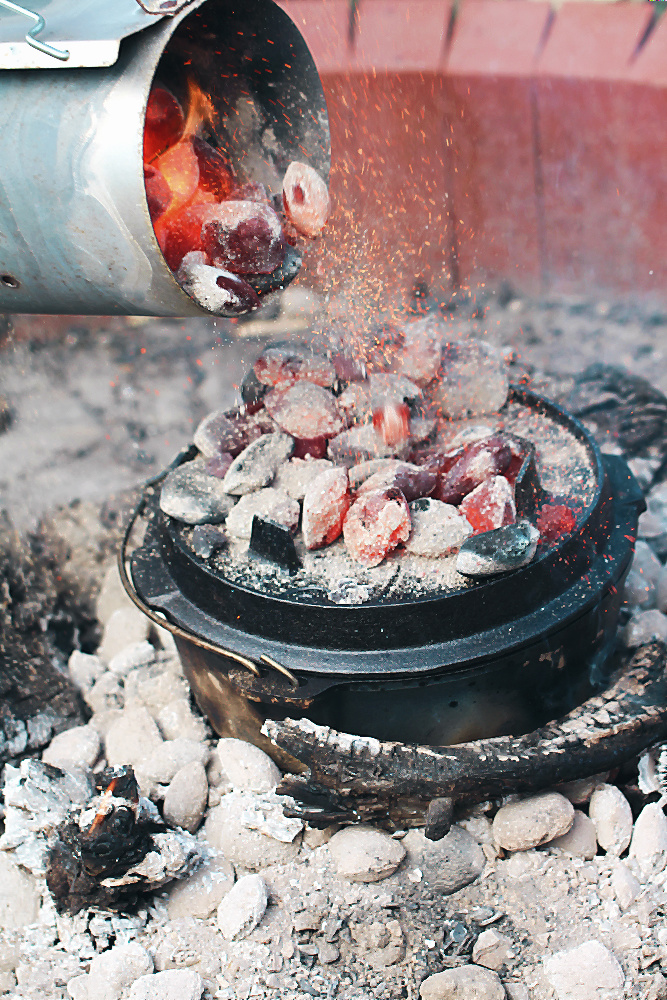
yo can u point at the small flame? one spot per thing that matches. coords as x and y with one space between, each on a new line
200 110
104 806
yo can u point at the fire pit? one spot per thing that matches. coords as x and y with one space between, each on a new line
436 664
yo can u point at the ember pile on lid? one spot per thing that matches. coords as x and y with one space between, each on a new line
227 240
399 461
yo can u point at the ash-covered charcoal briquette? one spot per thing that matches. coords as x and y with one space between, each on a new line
325 504
244 237
218 465
295 476
274 542
437 528
473 379
304 410
305 199
392 422
477 463
190 494
375 524
218 433
206 540
280 367
270 504
217 289
490 505
498 551
412 480
256 466
421 353
388 388
359 444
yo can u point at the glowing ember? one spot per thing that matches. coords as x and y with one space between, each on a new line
490 505
375 524
392 422
554 521
325 505
165 123
244 237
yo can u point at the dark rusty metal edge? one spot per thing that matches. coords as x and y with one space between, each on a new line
352 778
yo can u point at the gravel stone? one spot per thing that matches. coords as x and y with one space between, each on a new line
176 719
243 907
125 627
191 495
270 504
467 982
580 840
174 984
76 747
246 766
587 972
364 854
580 790
491 949
162 766
644 627
115 970
19 895
132 738
256 466
639 591
610 811
533 821
186 797
226 832
649 838
645 562
84 669
451 863
624 885
106 695
112 596
201 893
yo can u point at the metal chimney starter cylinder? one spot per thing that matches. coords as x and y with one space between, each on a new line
75 231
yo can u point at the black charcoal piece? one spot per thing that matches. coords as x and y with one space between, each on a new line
283 274
274 542
498 551
206 540
252 390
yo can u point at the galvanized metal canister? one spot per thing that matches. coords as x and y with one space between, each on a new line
75 232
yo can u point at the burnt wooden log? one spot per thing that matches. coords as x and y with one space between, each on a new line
359 778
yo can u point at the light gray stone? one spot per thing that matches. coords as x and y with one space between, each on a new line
176 719
243 907
132 738
645 562
173 984
256 466
125 627
649 838
639 591
112 596
580 841
84 669
246 766
536 820
580 790
491 949
115 970
186 797
448 864
588 972
467 982
645 627
157 686
106 694
227 833
137 655
201 893
624 885
610 811
19 895
162 766
76 747
192 495
269 503
364 854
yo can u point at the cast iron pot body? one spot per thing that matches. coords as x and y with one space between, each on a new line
502 656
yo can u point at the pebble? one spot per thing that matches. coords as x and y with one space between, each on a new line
76 747
610 811
19 895
84 669
645 562
176 719
191 495
580 790
467 982
243 907
491 949
644 627
170 757
201 893
156 686
498 551
138 654
174 984
270 503
257 464
588 972
186 797
115 970
363 854
190 944
112 596
132 738
661 590
649 838
246 766
580 841
295 476
535 820
624 885
638 591
451 863
125 627
437 528
106 695
227 833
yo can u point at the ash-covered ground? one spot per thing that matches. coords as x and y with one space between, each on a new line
584 919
